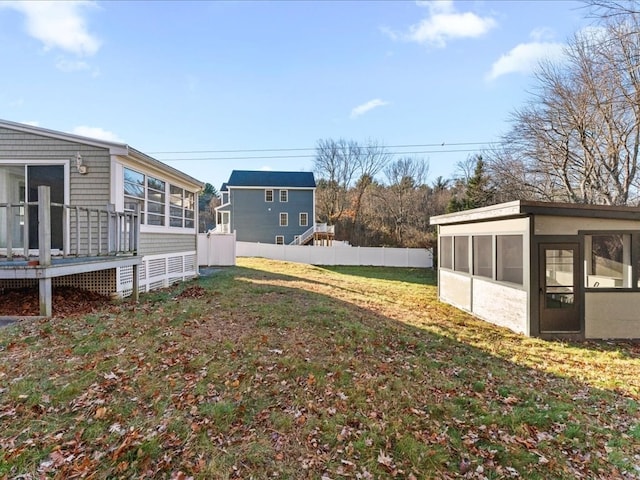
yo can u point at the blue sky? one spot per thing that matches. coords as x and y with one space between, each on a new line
201 77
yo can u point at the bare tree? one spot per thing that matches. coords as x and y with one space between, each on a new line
346 170
402 203
577 140
336 168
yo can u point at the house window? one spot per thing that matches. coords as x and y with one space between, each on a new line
304 219
461 254
608 260
134 192
483 256
284 195
284 219
509 256
446 252
279 239
158 200
181 208
268 195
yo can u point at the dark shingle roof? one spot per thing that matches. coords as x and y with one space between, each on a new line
251 178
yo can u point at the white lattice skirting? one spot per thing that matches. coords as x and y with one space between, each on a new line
158 271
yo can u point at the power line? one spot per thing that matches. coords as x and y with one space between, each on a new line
258 150
271 157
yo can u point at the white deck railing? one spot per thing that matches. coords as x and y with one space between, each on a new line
309 233
85 231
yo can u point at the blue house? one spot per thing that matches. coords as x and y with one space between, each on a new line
268 207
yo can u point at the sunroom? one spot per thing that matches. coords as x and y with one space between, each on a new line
544 269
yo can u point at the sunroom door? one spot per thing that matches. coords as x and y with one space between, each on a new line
559 295
53 177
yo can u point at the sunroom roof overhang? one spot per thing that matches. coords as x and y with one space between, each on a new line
523 208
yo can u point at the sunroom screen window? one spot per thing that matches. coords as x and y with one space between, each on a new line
609 260
510 258
446 252
461 254
483 256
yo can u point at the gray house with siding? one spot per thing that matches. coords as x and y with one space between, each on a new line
87 177
266 206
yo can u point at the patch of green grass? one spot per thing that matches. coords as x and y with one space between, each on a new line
283 370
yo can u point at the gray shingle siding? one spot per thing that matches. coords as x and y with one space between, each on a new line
164 243
90 190
256 220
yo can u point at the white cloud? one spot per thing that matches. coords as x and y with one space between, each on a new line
524 58
96 132
444 24
366 107
58 24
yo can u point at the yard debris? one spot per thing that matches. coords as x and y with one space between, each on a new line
66 301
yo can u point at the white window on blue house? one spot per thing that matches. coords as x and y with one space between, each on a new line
284 195
284 219
304 219
279 239
268 195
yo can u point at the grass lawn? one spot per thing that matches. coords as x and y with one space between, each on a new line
281 370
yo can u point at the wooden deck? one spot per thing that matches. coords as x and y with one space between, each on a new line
120 230
31 269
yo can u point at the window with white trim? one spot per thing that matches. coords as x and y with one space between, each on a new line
284 219
268 195
284 195
158 200
279 239
134 191
304 219
181 208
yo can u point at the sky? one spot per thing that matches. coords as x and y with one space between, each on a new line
209 87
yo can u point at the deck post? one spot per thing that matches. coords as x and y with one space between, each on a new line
135 292
44 225
66 233
44 247
9 231
25 229
45 297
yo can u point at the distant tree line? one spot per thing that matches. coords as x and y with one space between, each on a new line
374 199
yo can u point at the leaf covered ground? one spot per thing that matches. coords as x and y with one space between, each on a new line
281 370
65 301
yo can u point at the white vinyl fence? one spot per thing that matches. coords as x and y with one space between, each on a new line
217 249
222 249
339 255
